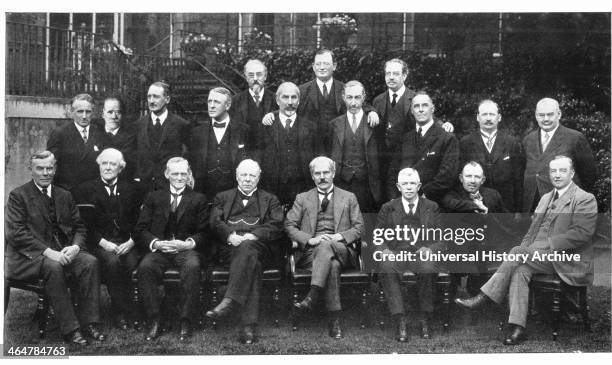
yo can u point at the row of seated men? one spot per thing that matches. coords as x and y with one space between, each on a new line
47 238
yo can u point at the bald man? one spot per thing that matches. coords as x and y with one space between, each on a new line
549 140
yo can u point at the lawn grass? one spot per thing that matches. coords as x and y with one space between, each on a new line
477 333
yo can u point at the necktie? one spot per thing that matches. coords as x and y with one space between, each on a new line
287 124
354 123
556 196
410 208
174 203
476 196
394 101
218 125
418 135
545 141
45 192
111 188
489 143
244 198
158 126
325 201
84 134
325 92
256 98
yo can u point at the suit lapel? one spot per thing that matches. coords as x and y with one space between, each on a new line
498 147
267 100
180 209
35 197
367 131
337 96
342 130
275 130
313 94
562 201
429 138
262 201
234 139
312 207
338 205
143 133
165 128
228 203
556 140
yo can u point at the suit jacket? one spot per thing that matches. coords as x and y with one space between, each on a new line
199 140
76 161
506 168
391 130
192 218
565 141
391 215
125 141
269 228
301 220
268 150
101 222
28 228
309 99
240 108
338 132
436 160
150 159
571 230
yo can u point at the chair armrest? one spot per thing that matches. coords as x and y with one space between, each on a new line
294 246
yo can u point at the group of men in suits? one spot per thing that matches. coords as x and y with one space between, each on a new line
172 169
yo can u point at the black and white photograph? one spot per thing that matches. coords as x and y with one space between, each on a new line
188 181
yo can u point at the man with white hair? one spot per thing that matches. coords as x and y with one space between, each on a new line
247 222
110 210
326 223
171 229
416 212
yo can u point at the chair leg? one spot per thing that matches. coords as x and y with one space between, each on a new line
584 308
556 313
276 301
364 307
214 301
294 316
446 304
135 305
201 302
382 309
42 313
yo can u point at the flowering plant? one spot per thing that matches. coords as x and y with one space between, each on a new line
338 23
257 39
196 44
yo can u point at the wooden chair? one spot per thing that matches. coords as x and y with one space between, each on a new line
41 316
554 286
299 281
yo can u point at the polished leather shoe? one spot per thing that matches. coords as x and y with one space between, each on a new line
75 337
335 331
223 309
93 332
402 332
474 302
425 333
516 336
247 335
185 330
305 305
154 330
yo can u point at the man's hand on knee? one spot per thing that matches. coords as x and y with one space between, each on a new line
56 256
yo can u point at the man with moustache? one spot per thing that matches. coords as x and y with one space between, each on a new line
217 145
321 101
355 150
429 149
499 154
119 135
564 220
76 145
410 210
252 104
160 135
326 224
114 210
549 140
248 223
45 238
171 229
286 147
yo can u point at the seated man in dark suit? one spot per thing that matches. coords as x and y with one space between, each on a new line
114 210
324 222
45 238
564 223
171 229
412 211
247 221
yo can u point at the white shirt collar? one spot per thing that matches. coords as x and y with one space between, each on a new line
174 191
225 120
358 115
113 132
399 93
425 127
80 128
261 93
562 191
488 135
405 204
329 192
283 118
249 194
329 85
162 117
40 188
550 133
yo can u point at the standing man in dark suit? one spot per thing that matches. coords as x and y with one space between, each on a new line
114 210
252 104
119 135
552 139
430 150
412 211
171 229
321 100
76 145
286 147
355 150
248 223
564 222
45 238
479 207
500 155
326 223
160 135
218 145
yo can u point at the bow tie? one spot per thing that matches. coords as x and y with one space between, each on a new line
110 186
219 125
244 196
476 196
